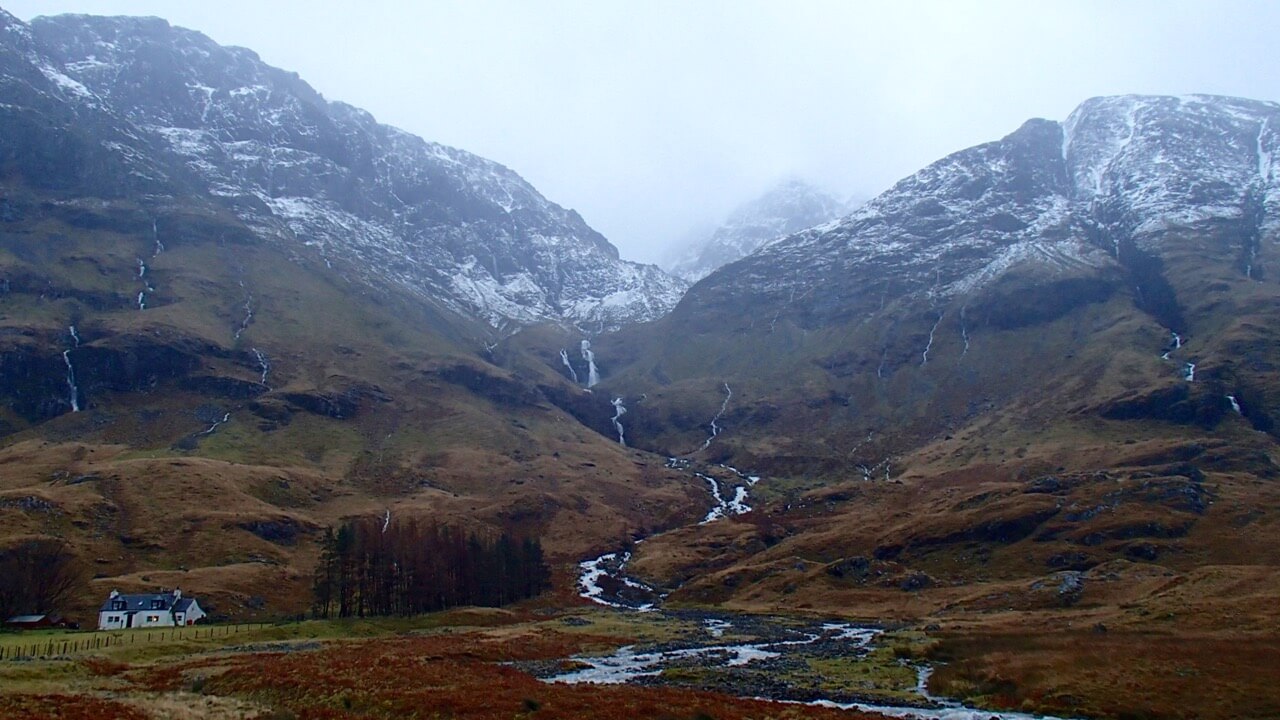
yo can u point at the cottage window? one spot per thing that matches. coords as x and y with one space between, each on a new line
153 618
157 604
117 604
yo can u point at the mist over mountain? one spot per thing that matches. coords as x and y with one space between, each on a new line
1140 199
791 206
1019 411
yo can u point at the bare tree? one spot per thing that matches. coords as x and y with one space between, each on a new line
38 576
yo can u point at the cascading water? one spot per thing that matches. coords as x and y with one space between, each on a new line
263 364
715 426
218 423
1235 404
248 317
593 375
564 358
155 235
71 382
146 286
721 507
924 356
618 412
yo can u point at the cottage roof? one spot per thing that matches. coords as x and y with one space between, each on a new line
16 619
148 601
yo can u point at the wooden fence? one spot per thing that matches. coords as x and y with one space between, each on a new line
74 643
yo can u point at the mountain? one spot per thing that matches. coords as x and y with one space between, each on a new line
373 202
1023 404
791 206
1054 352
233 314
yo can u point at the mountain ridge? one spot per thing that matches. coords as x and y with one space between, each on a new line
789 206
1033 384
396 210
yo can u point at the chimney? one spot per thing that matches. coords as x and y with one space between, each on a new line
115 594
177 593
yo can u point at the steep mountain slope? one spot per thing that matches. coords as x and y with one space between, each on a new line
790 207
1053 221
375 202
1046 353
194 384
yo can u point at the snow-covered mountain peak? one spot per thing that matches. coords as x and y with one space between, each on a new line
1096 191
790 206
366 200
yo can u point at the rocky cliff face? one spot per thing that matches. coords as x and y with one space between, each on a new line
788 208
373 202
1055 351
1099 190
227 304
1155 211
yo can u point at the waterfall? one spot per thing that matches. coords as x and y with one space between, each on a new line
924 356
262 363
593 375
155 235
619 411
564 358
1189 372
75 337
1235 404
248 317
225 419
71 382
718 510
715 427
146 286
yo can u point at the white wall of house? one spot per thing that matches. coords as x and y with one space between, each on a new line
112 620
193 614
152 618
120 619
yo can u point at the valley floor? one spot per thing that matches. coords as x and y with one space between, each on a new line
499 664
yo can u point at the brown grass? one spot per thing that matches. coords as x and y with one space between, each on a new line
1115 674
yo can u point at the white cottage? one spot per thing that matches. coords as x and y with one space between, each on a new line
165 609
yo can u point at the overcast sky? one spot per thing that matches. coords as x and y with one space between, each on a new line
652 118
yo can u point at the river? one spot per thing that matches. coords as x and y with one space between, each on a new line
755 656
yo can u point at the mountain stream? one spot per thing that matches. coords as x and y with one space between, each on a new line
762 657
